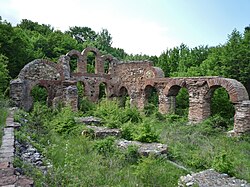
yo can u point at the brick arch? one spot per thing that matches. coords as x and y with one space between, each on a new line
104 58
107 87
98 60
40 69
236 91
173 87
81 66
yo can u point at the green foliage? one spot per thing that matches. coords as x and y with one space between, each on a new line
114 116
4 76
64 122
182 102
39 94
145 133
223 163
3 116
105 146
226 109
157 172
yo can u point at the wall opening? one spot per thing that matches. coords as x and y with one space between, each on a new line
179 100
106 66
91 58
73 63
221 104
151 100
182 102
123 96
39 94
81 89
102 91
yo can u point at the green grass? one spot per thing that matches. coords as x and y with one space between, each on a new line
3 116
84 161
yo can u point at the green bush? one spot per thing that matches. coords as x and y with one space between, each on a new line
145 133
223 163
157 172
39 94
105 146
64 122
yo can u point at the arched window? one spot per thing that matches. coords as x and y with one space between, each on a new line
91 58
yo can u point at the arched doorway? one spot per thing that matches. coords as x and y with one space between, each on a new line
123 96
39 94
102 90
151 100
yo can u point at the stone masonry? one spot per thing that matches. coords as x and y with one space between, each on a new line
7 171
134 79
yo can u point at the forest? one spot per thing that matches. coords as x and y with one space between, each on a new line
84 161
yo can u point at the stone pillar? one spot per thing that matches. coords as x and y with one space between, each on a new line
64 60
166 104
199 105
71 97
17 92
141 101
134 99
241 118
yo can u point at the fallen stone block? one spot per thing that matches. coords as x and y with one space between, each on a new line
102 132
144 149
89 120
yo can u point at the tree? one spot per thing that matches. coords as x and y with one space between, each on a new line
4 73
82 34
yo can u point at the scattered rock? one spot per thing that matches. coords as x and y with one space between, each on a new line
211 178
30 155
102 132
89 120
144 148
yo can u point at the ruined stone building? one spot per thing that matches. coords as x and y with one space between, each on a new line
135 78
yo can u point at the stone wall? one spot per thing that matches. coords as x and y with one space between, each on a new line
134 78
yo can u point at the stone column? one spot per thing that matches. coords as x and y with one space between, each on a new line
71 97
64 60
242 118
17 92
199 109
199 105
166 104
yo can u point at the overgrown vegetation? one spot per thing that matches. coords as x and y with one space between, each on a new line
84 161
3 116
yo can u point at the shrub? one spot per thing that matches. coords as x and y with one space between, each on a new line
145 133
105 146
223 163
64 122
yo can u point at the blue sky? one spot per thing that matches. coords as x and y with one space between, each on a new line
139 26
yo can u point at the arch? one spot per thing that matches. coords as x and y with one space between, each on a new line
173 87
102 90
123 94
106 60
80 62
40 69
39 93
236 91
98 59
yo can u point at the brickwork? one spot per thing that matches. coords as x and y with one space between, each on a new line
132 78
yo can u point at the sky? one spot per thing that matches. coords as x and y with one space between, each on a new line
139 26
